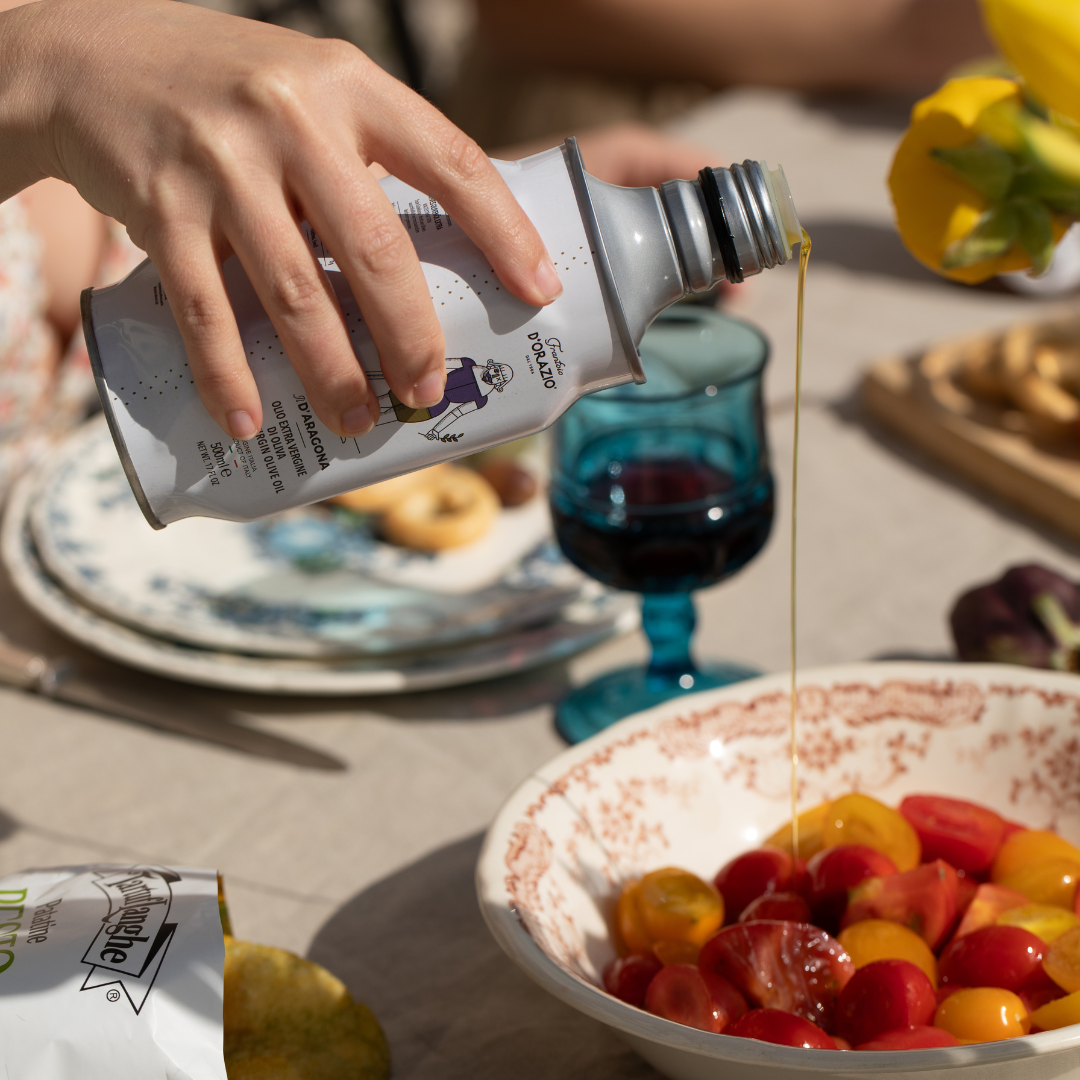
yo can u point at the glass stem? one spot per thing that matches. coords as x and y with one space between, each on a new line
668 621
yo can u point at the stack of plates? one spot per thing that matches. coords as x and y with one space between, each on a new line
307 602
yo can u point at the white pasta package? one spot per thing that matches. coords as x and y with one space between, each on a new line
111 972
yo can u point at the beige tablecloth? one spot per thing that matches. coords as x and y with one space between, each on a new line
370 871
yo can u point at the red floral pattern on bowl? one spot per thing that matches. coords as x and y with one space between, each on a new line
695 781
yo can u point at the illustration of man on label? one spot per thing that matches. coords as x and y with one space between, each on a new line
468 386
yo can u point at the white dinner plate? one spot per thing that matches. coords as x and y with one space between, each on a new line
595 615
315 582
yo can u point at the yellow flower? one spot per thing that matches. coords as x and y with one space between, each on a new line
1041 39
934 206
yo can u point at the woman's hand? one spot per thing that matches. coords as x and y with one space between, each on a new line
208 135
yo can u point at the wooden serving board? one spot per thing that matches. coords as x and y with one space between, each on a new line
993 445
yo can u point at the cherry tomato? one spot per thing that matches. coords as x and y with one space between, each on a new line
832 872
728 1003
983 1014
962 833
923 900
1046 922
750 875
912 1038
776 1026
1056 1014
1028 847
628 977
810 822
678 906
966 888
676 952
859 819
781 965
883 996
879 939
679 993
789 906
989 902
1051 882
1061 961
1007 957
630 933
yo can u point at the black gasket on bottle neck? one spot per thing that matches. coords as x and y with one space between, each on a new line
714 203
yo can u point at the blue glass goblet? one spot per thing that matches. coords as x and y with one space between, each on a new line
662 489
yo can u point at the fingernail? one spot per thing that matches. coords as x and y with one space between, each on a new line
357 420
241 425
547 280
429 390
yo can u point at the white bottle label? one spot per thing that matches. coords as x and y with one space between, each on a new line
511 368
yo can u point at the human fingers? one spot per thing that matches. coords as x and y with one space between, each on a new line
372 248
300 301
420 146
190 272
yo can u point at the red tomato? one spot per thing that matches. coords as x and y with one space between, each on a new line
966 888
923 899
986 905
728 1003
777 1026
832 872
1043 995
788 906
965 835
750 875
628 977
678 992
781 965
1007 957
883 996
911 1038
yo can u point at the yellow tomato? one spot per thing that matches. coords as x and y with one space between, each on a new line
1057 1014
1027 848
676 952
879 939
676 905
1052 882
810 822
983 1014
630 933
1047 923
933 205
1041 38
859 819
1061 961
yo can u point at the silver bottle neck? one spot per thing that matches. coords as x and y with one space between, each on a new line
730 223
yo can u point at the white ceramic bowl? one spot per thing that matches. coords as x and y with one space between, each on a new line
700 779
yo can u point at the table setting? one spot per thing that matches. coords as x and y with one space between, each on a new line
433 773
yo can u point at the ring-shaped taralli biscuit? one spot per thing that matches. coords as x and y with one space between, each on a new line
375 498
456 507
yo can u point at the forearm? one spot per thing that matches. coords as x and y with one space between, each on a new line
26 96
790 43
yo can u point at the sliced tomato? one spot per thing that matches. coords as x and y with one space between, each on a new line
962 833
752 874
679 993
1007 957
986 905
911 1038
834 871
923 899
784 1028
728 1003
628 977
883 996
788 906
794 967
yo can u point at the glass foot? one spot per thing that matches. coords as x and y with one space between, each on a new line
595 706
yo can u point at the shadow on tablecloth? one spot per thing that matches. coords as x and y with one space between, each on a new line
415 948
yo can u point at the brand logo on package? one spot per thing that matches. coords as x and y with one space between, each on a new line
129 948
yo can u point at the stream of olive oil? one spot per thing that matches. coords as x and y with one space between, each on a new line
804 258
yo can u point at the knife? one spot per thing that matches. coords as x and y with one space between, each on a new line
133 698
